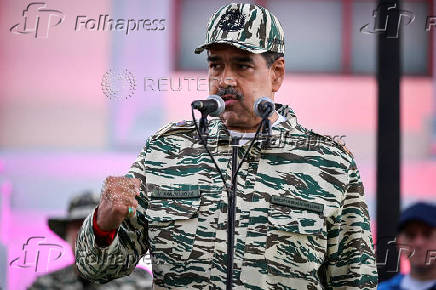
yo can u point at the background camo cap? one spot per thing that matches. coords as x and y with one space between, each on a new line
79 208
245 26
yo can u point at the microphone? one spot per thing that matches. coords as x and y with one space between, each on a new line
264 107
212 106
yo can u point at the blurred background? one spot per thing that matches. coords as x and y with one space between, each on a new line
84 83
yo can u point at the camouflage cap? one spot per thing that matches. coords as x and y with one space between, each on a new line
245 26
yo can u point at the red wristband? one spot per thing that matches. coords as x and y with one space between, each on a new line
102 238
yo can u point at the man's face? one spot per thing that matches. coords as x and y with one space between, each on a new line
72 231
239 77
421 238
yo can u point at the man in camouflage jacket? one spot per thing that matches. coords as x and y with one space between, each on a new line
301 217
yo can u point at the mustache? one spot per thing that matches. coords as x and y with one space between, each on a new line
230 91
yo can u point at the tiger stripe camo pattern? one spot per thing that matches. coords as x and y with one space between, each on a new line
301 220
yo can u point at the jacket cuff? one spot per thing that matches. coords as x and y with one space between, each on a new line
102 238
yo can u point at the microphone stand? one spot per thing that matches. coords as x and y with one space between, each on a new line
266 127
203 127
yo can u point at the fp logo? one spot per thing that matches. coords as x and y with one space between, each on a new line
37 254
38 20
387 20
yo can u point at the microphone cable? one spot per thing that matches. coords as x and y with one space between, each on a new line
256 135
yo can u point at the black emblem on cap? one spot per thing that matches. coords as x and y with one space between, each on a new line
233 20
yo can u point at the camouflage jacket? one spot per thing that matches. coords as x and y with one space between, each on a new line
68 279
301 217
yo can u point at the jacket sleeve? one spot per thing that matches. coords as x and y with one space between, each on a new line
102 264
351 262
42 282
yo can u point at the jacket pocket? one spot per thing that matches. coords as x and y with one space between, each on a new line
296 242
172 227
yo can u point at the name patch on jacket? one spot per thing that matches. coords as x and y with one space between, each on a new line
176 193
298 203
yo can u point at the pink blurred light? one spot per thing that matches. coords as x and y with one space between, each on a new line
418 179
63 165
21 230
5 190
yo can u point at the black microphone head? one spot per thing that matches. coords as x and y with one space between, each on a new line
197 105
221 105
262 106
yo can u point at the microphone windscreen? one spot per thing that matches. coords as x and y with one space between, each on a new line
261 105
221 105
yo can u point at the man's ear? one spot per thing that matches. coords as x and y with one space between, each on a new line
278 73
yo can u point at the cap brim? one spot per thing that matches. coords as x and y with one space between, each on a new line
59 225
415 218
244 46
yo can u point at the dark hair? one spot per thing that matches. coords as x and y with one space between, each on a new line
271 57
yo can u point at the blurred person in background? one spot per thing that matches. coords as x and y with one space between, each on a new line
417 234
68 277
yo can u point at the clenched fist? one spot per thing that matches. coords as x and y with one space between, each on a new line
118 195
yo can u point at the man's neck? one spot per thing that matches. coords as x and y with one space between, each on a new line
272 119
427 273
